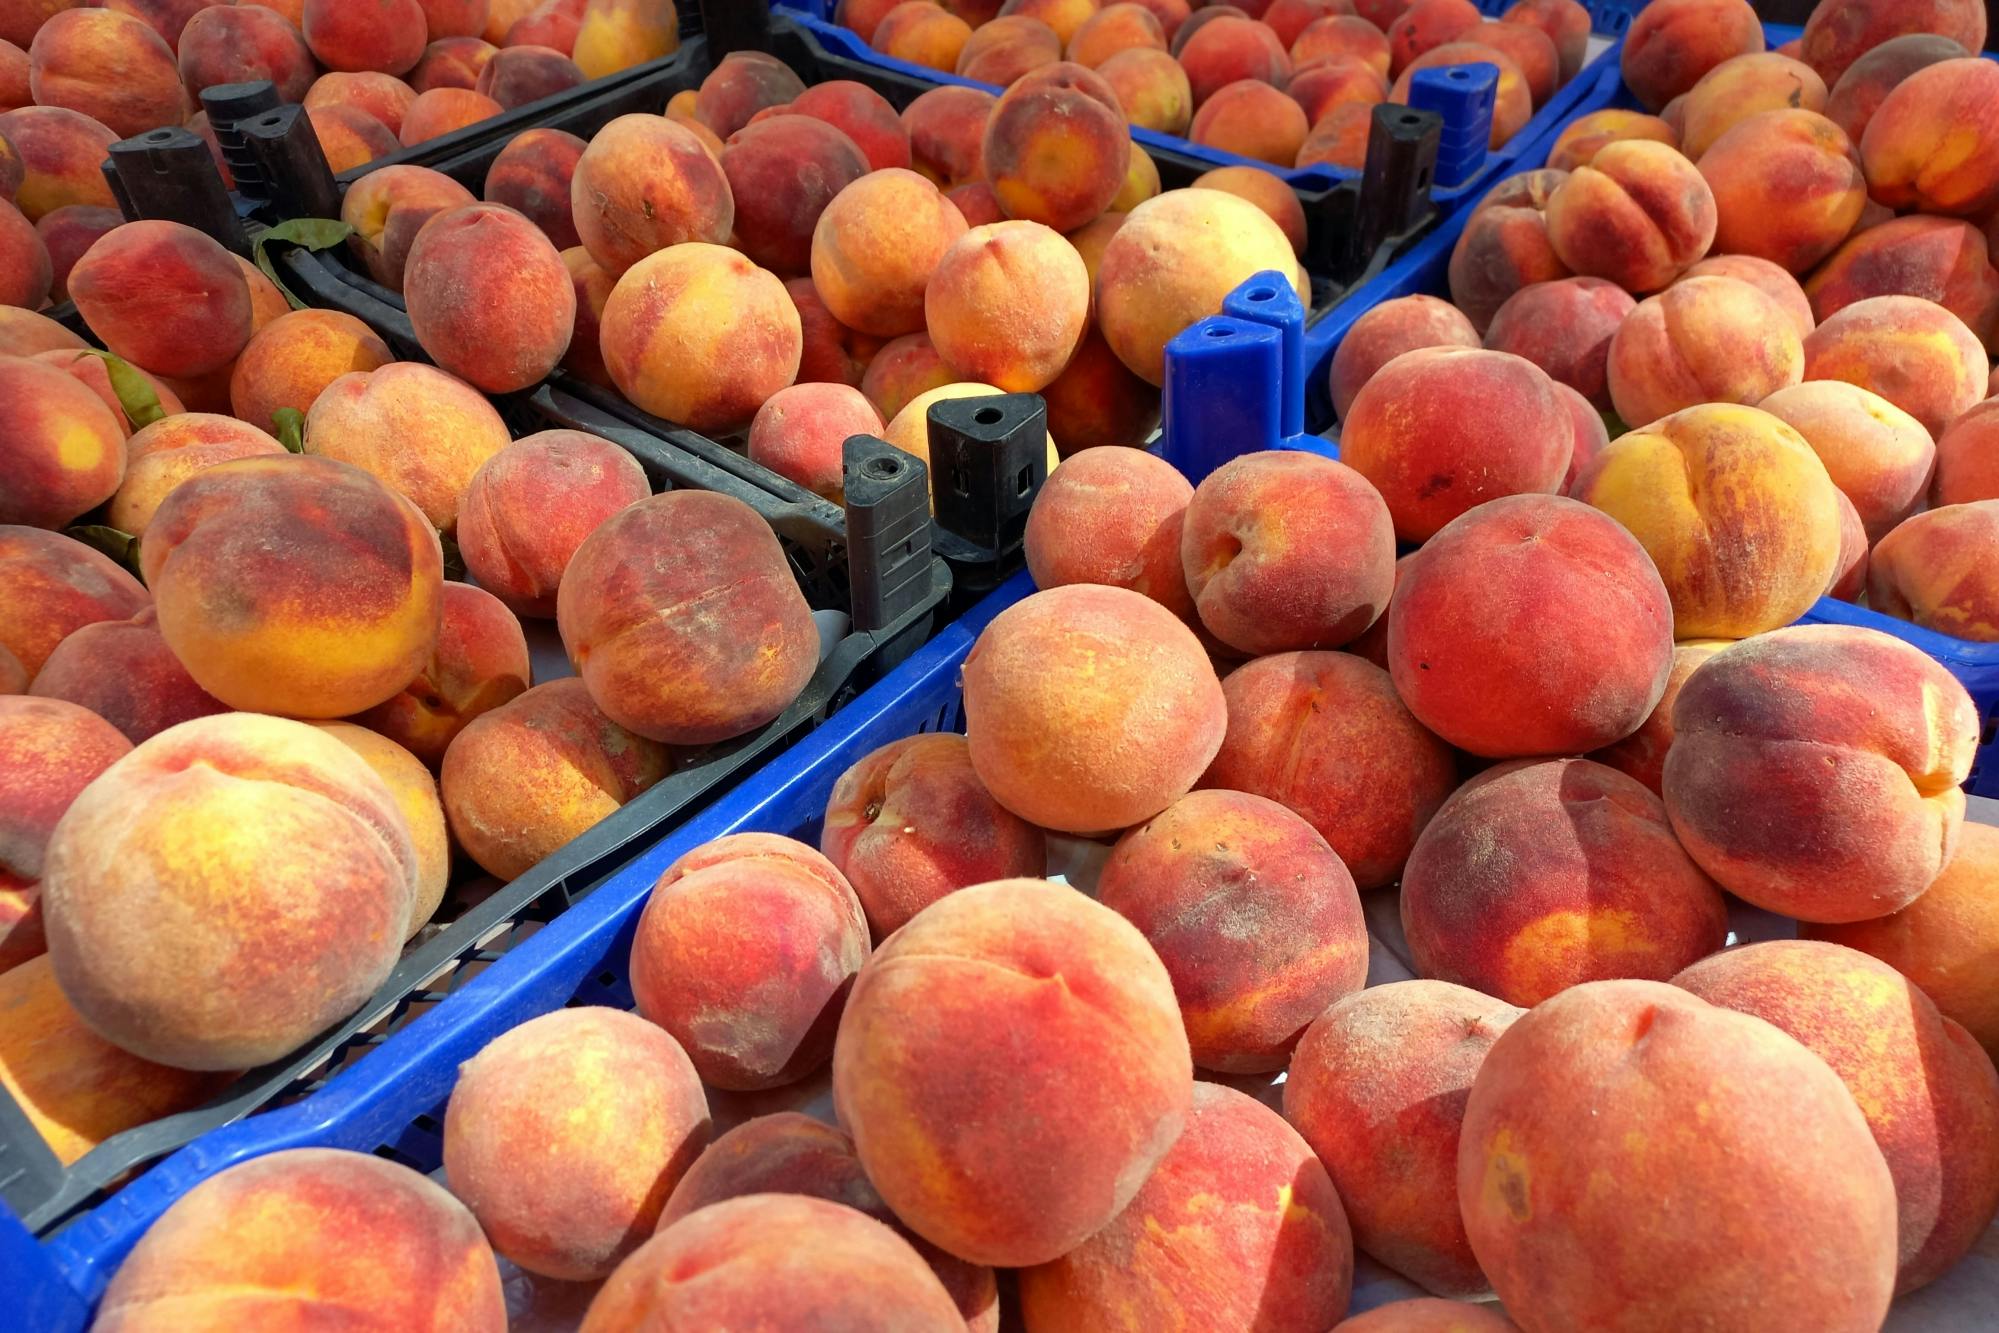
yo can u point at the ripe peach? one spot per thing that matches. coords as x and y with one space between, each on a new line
875 248
51 586
1097 401
517 75
1702 340
489 297
532 176
800 433
1567 328
290 361
1115 28
1642 754
1639 214
1589 134
387 207
1003 49
419 430
593 285
904 370
1527 47
1859 92
59 153
383 35
947 129
1968 458
1057 148
1252 119
1007 304
1772 280
63 452
530 505
53 750
1341 35
1112 516
1840 31
123 671
617 35
1913 160
863 115
66 234
383 96
443 111
783 172
1936 569
109 66
1268 192
1939 259
1426 24
453 18
646 183
1152 88
451 62
1403 324
1118 676
1744 86
1064 16
1787 187
1333 82
1673 43
414 791
1378 1089
1505 245
533 774
832 352
161 456
1879 456
480 662
555 24
1916 354
569 1195
165 296
349 137
1859 836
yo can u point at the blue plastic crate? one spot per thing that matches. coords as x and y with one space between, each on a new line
393 1102
1610 19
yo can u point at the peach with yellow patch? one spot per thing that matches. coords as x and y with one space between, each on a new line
422 432
64 450
480 662
161 456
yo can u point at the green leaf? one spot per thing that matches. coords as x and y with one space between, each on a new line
119 545
307 233
290 423
135 392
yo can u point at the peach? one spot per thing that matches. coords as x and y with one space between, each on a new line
165 17
863 115
1939 259
1152 89
767 1259
1427 1314
947 128
1192 874
480 662
212 543
701 336
53 750
1944 940
1702 340
1332 82
1286 551
266 302
1252 119
334 1232
415 794
568 1195
161 456
123 671
1589 134
318 866
1540 876
875 248
67 233
1879 456
832 352
1567 328
1967 466
1916 354
63 451
1097 401
1850 572
1094 237
1172 14
555 24
489 297
1378 1088
905 369
1513 105
1112 516
1268 192
1787 187
1229 49
1239 1220
1064 16
922 33
977 203
674 678
383 35
1115 28
742 84
75 1088
593 285
1735 509
1527 47
1913 158
1003 49
530 506
801 432
387 207
443 111
1007 305
1141 182
1641 755
1341 35
1859 92
524 779
910 823
1744 86
1929 1094
1120 678
1861 835
517 75
1173 262
1289 18
646 183
1325 734
383 96
1773 280
1556 1169
1505 245
108 66
164 296
453 18
349 137
1056 148
617 35
1593 686
783 172
1440 430
451 62
1936 569
1591 434
51 586
1839 32
1009 1184
1402 324
501 15
747 958
1425 24
419 430
59 151
1673 43
1639 214
290 361
14 93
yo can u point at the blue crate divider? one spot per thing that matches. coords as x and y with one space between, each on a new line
1610 19
392 1103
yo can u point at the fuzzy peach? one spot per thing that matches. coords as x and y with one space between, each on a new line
53 750
66 234
63 452
52 585
1003 49
904 370
1968 458
60 151
164 296
1505 245
1674 42
947 128
1566 327
415 793
876 246
489 297
531 505
480 663
1937 570
1007 305
1403 324
289 362
1639 214
1340 35
1879 456
1112 516
1840 31
123 671
1859 92
532 176
832 353
1057 149
643 184
1916 354
161 456
109 66
382 35
387 207
1744 86
517 75
1267 192
800 433
1332 82
1589 134
783 172
419 430
1152 88
1527 47
1915 160
1944 260
383 96
1702 340
443 111
922 34
1772 280
1252 119
1426 24
1787 187
451 62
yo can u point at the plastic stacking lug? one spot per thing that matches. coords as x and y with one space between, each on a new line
888 531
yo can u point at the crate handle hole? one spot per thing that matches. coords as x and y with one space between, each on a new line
1263 294
1221 332
882 469
1024 481
988 416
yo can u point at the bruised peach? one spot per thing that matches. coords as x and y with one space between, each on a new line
801 432
1057 148
947 128
63 452
52 585
517 75
1702 340
643 184
1672 43
1505 245
59 152
1587 135
1916 354
532 775
419 430
1944 260
1639 214
1566 327
1152 89
532 176
161 456
109 66
876 246
388 207
123 671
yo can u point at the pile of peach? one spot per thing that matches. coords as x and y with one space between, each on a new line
1055 1106
809 264
1777 382
229 794
374 77
1290 82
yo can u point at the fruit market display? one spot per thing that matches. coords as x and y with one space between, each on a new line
1290 82
1445 869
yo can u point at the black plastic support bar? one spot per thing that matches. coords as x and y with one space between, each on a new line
888 531
289 164
168 174
1395 182
988 458
227 104
736 25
